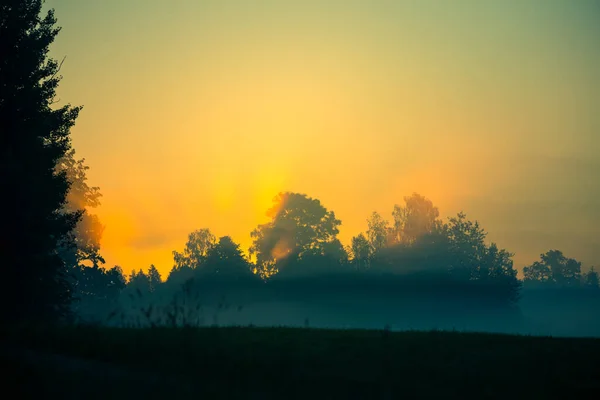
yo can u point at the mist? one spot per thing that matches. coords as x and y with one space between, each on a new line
299 199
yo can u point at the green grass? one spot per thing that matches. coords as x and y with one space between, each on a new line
311 363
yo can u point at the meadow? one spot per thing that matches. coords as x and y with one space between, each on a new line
265 363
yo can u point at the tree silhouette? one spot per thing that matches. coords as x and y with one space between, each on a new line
139 280
554 268
379 233
35 136
537 273
196 249
154 279
590 279
227 260
97 291
361 252
300 226
416 218
81 198
179 275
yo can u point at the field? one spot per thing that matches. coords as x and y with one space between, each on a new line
265 363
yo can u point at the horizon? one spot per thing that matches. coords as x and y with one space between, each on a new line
481 107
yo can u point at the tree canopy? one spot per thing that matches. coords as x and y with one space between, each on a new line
300 226
35 136
553 268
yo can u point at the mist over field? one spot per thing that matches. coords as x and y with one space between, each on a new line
300 199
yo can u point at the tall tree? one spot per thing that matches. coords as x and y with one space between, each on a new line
97 291
537 274
139 281
554 268
154 278
300 226
226 259
196 249
82 198
565 271
590 278
378 233
467 244
417 217
35 135
361 252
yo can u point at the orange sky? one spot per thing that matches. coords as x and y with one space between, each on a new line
196 113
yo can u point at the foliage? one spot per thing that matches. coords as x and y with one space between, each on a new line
361 252
553 269
139 282
379 233
417 217
154 278
35 136
591 278
198 245
81 198
300 227
97 291
226 259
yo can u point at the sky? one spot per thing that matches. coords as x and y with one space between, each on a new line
197 113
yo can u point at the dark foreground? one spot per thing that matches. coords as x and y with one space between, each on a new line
284 363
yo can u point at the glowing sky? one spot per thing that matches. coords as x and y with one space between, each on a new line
196 113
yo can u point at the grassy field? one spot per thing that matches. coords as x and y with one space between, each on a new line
265 363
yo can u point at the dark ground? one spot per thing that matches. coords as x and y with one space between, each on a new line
265 363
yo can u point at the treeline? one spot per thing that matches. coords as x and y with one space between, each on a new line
50 238
416 258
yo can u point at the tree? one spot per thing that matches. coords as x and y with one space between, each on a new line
554 268
81 198
97 291
565 271
467 244
198 245
469 257
139 282
35 135
537 273
300 227
116 281
361 252
226 259
154 279
415 219
378 233
590 278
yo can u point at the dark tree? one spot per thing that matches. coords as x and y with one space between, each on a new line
196 249
35 135
537 274
455 251
139 282
227 260
590 278
179 275
300 227
97 291
154 278
554 269
361 252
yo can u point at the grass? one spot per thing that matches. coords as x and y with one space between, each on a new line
307 363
